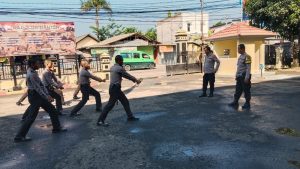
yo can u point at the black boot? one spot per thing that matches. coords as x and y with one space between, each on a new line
133 118
203 95
211 94
234 104
246 106
76 97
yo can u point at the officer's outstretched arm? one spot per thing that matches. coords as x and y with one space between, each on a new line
97 78
128 76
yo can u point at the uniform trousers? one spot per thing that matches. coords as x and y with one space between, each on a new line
55 96
115 94
208 78
86 91
242 87
36 101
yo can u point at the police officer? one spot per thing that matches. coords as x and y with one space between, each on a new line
75 97
115 93
86 89
51 83
243 78
209 71
38 96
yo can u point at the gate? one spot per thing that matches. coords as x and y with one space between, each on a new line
185 63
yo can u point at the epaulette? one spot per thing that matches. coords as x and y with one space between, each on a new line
248 59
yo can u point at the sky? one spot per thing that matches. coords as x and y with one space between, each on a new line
142 14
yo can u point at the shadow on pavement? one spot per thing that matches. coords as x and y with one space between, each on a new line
177 130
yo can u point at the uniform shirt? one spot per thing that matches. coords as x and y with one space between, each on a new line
34 83
116 74
244 66
209 63
49 78
85 75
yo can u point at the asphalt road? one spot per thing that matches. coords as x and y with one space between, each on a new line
177 130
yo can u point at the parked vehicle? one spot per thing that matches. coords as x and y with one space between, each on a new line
137 60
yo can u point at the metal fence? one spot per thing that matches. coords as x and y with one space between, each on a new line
183 63
62 67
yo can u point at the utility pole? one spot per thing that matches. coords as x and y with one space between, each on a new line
202 34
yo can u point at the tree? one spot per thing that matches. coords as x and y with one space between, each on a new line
130 30
220 23
97 5
108 31
151 34
112 29
276 15
169 14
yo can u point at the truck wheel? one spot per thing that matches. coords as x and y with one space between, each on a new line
127 67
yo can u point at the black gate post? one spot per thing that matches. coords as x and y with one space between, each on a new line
76 66
16 87
97 63
3 71
58 66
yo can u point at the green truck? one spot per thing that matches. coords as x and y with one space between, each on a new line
136 60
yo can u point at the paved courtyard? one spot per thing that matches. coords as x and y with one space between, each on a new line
176 129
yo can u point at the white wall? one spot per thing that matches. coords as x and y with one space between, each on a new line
166 29
195 20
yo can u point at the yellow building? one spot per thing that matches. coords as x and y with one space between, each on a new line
225 45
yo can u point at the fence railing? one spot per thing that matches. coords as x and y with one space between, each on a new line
62 67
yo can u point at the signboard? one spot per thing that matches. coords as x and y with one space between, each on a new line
96 51
35 38
261 66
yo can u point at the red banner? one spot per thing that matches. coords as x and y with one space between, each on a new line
35 38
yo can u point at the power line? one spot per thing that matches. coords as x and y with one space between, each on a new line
112 4
131 8
121 12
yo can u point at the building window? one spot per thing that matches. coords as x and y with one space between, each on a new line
189 27
183 47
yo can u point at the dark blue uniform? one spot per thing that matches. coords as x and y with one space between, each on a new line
37 97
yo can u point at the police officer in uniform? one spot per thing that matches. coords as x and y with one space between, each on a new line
115 93
38 96
77 90
243 78
50 82
86 89
209 71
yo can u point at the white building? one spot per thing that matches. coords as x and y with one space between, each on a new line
189 22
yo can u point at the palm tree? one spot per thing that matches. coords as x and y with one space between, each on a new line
97 5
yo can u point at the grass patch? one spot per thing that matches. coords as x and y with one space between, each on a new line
288 132
295 163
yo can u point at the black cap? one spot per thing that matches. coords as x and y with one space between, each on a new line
118 57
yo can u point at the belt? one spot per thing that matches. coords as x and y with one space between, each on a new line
115 84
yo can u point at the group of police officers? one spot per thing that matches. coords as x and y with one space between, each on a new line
42 92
